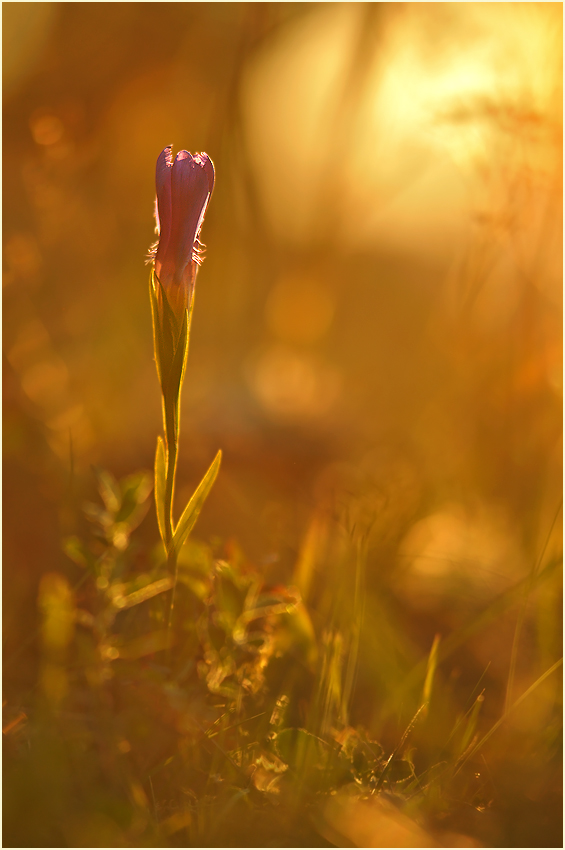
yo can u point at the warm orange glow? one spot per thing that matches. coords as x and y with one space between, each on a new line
350 631
444 86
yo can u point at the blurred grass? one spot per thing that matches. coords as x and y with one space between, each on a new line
376 349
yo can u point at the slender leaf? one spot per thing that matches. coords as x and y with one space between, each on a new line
178 361
192 510
315 762
156 325
472 723
430 673
109 489
137 486
501 720
75 549
135 490
95 513
146 644
167 332
160 478
138 596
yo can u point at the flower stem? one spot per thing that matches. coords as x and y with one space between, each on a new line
171 330
171 423
170 417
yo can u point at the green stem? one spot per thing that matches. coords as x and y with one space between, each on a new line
170 417
170 335
171 422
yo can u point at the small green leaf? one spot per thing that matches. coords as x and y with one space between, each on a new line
198 586
109 490
135 490
160 477
137 486
146 644
119 600
196 557
192 510
156 324
98 515
75 549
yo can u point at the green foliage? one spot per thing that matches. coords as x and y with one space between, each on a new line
206 680
160 484
177 730
125 505
170 339
192 511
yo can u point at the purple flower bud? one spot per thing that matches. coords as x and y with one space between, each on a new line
183 191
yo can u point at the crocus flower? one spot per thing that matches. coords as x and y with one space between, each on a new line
183 191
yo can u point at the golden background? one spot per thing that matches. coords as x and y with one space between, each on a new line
377 326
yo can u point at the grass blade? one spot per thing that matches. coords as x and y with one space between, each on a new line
499 722
430 673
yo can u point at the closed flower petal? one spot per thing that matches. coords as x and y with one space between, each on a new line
163 211
183 191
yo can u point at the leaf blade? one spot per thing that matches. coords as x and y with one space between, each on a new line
109 489
160 478
143 594
191 512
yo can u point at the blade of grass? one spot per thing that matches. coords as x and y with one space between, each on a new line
398 747
358 615
472 722
514 705
464 716
500 605
523 608
430 673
